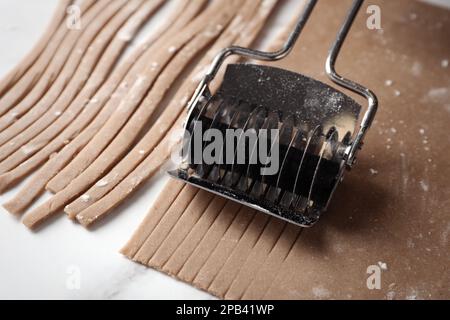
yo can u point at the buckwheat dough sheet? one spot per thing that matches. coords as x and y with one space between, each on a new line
391 211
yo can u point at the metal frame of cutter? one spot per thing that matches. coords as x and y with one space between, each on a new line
329 67
350 153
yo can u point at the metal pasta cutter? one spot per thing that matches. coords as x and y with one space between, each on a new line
315 125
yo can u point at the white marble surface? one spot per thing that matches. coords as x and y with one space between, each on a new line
48 264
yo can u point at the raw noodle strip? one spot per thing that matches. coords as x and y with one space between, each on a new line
153 100
127 186
222 279
140 174
40 76
223 240
138 120
23 134
88 46
255 259
129 133
40 95
189 238
151 139
89 107
147 144
197 221
134 98
207 231
266 274
37 183
19 70
179 204
188 266
165 199
200 202
65 155
53 121
58 201
157 157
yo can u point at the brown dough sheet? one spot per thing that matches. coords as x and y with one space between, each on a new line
391 210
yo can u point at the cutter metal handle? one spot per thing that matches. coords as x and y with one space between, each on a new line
351 85
262 55
330 70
